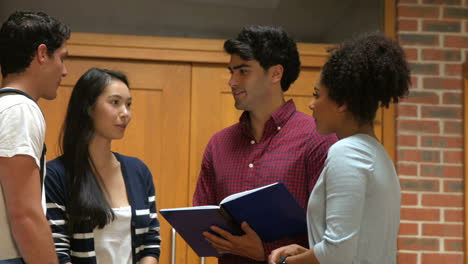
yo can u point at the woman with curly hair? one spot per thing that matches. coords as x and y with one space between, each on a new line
353 212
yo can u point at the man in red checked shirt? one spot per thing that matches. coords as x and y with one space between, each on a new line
272 142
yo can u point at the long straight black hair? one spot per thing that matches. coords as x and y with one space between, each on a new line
86 206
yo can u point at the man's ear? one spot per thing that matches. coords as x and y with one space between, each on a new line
276 73
41 53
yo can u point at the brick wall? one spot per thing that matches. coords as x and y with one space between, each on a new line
434 34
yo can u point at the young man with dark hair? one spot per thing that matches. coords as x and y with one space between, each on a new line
32 50
272 141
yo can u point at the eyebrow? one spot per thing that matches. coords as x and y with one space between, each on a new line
239 66
316 88
118 96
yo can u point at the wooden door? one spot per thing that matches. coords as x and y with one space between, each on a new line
158 133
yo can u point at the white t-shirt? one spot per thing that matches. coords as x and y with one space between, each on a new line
22 132
353 213
113 243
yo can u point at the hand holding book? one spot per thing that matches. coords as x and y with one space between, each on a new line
271 211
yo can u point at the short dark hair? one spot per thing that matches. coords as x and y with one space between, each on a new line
76 134
269 46
366 72
22 33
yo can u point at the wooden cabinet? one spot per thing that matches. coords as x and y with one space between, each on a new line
181 98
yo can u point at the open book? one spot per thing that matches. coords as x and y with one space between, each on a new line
270 210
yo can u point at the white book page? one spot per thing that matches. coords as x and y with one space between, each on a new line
240 194
192 208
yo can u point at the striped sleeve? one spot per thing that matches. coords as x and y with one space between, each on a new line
152 238
55 200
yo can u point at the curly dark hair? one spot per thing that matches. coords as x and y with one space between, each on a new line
366 72
269 46
22 33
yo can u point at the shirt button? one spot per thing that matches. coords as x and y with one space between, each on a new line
279 128
251 165
252 142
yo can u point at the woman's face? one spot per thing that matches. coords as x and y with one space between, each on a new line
326 112
111 113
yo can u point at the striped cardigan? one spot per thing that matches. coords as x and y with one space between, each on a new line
79 248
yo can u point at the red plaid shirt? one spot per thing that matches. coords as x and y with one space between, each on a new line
290 151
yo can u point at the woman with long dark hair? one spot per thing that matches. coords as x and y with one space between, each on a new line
100 204
353 213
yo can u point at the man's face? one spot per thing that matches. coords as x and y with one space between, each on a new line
54 71
249 83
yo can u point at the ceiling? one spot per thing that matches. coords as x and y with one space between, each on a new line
306 20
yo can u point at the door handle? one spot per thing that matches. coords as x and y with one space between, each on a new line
173 246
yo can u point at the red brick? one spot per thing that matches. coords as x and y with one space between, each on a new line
453 156
441 141
419 155
411 54
452 98
407 25
420 214
454 12
453 127
418 39
441 26
419 185
409 243
442 200
408 229
441 55
454 245
454 69
407 258
443 230
456 41
442 83
443 171
409 199
453 186
407 169
424 68
443 112
414 81
422 97
405 110
407 140
424 126
430 258
454 215
418 11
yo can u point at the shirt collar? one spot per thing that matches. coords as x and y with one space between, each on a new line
277 120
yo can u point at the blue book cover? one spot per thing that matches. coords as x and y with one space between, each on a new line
270 210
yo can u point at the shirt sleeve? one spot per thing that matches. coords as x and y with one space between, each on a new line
56 214
346 177
205 192
152 243
25 132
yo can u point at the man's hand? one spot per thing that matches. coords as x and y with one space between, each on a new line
248 245
289 250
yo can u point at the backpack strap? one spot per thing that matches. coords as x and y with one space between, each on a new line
44 148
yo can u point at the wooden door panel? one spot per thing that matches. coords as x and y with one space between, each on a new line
158 133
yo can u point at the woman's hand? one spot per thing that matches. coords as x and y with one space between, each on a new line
290 250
